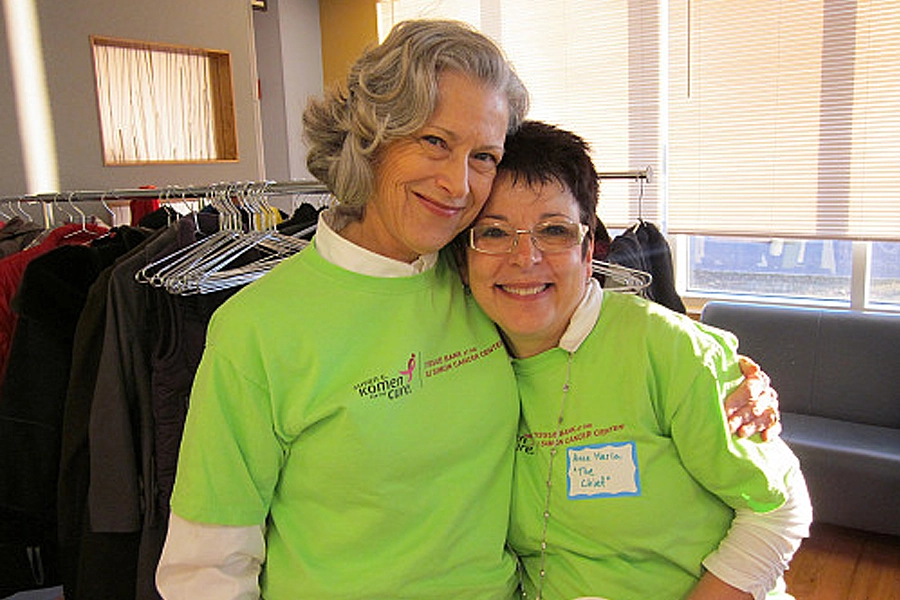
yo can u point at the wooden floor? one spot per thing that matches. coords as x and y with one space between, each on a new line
845 564
834 563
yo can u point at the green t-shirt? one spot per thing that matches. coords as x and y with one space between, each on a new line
368 422
646 478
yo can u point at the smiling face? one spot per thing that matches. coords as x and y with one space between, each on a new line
431 185
531 295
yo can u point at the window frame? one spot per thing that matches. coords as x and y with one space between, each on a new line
223 118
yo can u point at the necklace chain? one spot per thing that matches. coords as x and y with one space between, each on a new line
553 451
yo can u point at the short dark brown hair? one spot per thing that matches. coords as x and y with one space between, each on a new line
538 153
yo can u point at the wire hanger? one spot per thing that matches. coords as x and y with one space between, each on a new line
624 279
641 181
263 237
619 278
157 272
24 213
204 266
84 228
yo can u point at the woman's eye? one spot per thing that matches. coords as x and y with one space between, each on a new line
484 162
433 140
493 232
486 157
557 231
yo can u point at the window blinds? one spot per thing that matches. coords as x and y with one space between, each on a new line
760 117
785 119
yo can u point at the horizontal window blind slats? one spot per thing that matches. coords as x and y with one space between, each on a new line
787 121
782 118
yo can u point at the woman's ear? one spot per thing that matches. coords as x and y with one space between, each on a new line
587 257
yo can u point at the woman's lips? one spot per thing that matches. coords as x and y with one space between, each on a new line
440 208
524 290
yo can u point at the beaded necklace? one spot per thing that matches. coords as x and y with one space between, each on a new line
553 451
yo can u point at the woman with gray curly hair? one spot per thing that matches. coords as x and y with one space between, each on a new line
391 92
352 423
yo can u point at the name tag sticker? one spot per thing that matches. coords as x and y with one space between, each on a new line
603 470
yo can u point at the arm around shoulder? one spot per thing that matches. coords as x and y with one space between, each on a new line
759 546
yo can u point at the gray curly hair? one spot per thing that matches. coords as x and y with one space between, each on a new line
390 92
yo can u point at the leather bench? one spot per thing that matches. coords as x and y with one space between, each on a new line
837 373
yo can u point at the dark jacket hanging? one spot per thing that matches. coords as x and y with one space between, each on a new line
644 247
48 305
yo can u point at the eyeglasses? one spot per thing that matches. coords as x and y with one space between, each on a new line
548 236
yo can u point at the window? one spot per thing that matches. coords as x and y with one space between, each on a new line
885 277
771 128
810 269
162 104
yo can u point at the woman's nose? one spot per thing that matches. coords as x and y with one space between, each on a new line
454 176
525 252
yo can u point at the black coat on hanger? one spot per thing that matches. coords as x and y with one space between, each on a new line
643 246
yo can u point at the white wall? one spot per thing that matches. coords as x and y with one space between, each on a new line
266 26
12 173
289 57
65 28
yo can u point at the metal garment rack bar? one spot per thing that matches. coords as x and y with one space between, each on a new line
176 192
172 192
641 174
268 187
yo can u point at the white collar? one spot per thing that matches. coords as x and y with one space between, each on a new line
584 318
340 251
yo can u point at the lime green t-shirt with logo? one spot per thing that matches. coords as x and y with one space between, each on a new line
368 422
647 476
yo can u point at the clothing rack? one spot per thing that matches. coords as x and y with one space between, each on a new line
268 187
625 279
170 192
174 191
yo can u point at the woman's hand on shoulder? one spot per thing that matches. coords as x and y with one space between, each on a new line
753 406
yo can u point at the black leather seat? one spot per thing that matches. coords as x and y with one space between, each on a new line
837 373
